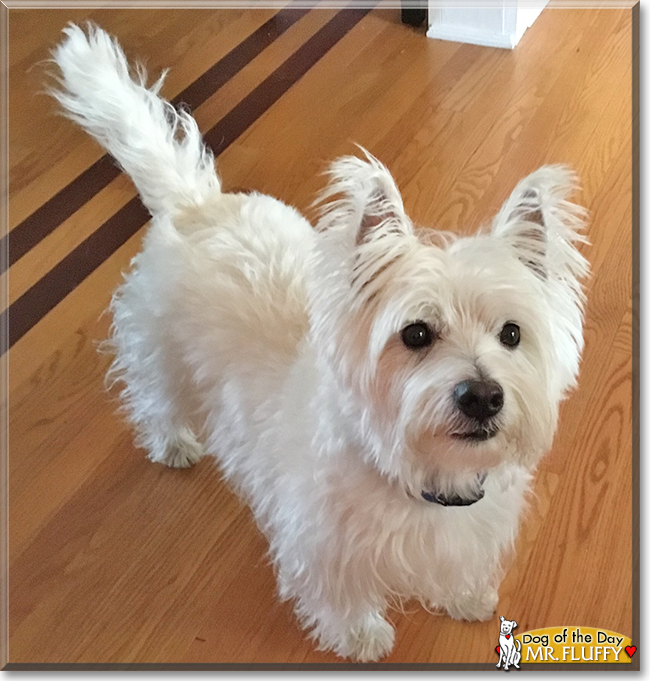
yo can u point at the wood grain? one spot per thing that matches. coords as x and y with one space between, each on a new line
114 559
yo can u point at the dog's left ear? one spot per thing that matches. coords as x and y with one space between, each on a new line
543 226
362 199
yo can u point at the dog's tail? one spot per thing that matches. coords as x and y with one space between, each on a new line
159 147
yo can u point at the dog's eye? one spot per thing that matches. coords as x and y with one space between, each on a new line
417 335
510 335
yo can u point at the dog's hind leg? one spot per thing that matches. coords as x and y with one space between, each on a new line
163 433
156 393
161 426
182 450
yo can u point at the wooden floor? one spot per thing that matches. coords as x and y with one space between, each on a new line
114 559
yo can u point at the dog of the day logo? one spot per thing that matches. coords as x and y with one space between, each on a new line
570 644
509 648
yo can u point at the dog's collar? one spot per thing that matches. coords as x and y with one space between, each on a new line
456 499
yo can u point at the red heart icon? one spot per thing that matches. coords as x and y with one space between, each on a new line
507 635
630 650
498 650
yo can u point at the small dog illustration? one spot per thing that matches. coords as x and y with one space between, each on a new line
509 647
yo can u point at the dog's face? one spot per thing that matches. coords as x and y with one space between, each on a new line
456 351
507 625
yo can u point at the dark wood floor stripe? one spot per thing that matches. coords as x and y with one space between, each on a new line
64 277
99 175
218 75
24 236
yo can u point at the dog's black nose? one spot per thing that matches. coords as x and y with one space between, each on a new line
479 400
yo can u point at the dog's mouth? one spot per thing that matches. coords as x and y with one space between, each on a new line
454 499
477 435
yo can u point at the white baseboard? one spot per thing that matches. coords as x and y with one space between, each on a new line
458 34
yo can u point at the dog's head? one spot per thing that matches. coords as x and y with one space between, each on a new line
454 352
507 625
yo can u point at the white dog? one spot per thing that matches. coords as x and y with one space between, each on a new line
509 647
378 395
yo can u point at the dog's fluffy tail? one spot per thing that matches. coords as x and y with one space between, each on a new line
159 147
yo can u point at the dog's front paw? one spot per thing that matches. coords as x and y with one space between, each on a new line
371 640
474 606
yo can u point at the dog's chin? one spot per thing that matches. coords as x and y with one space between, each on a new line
449 464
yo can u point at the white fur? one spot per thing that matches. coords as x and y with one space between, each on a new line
243 333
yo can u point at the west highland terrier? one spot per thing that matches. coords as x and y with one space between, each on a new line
379 395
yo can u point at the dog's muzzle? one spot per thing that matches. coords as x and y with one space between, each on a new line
456 499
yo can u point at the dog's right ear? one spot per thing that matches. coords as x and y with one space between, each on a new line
502 618
362 200
544 228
